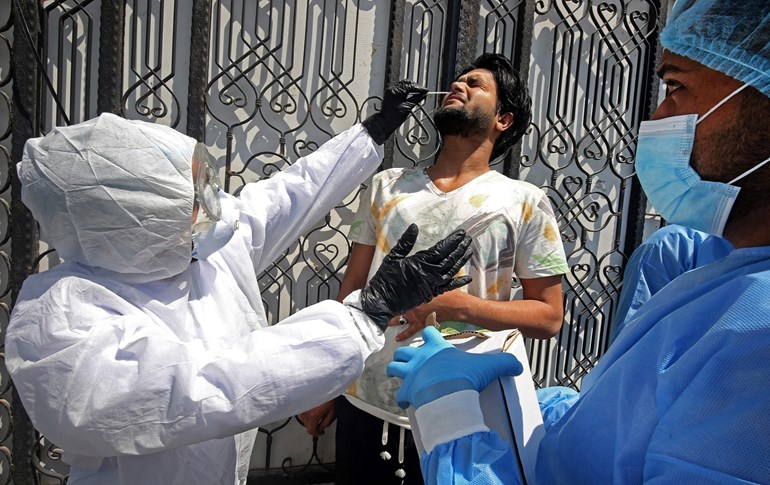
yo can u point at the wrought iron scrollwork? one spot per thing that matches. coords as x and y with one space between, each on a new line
151 65
6 167
588 81
315 460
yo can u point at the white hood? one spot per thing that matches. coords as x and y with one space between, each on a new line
112 193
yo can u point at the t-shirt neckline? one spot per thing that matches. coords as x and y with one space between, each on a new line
432 187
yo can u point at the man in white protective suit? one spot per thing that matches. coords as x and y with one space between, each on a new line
146 355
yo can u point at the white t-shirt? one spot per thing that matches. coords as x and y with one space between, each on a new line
513 228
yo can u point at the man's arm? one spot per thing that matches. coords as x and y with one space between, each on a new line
361 256
316 420
287 204
539 314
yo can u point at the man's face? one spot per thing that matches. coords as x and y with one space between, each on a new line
694 89
471 106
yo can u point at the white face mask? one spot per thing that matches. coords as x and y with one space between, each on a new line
673 187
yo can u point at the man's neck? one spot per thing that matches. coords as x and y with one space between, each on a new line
747 233
460 161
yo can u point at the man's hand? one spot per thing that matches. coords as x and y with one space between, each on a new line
413 321
402 282
416 318
319 418
397 103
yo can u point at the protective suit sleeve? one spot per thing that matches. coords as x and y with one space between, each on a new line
462 450
283 207
107 382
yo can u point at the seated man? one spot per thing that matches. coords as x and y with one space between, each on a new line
681 395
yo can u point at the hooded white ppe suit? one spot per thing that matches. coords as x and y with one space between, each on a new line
145 367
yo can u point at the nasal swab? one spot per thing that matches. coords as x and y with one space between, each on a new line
437 92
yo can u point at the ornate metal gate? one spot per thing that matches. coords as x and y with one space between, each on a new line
264 82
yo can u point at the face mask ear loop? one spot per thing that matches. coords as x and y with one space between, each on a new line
749 171
726 99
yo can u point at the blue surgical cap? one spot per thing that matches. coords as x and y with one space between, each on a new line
729 36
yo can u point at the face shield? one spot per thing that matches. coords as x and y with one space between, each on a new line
206 186
209 232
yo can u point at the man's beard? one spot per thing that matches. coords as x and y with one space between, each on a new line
735 148
458 121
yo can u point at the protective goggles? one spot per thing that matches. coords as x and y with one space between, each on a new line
206 183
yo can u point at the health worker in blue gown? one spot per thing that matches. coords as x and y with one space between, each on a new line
681 395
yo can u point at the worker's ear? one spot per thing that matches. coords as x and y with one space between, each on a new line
504 121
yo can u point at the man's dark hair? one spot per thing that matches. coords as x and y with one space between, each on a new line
512 97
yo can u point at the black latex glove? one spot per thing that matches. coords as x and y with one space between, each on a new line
398 102
402 282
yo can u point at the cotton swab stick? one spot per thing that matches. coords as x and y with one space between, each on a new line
437 92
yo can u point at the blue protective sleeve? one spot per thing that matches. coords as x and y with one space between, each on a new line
554 403
668 253
481 458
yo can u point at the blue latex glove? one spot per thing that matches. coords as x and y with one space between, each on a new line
437 368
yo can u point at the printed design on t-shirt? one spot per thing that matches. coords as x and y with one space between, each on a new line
555 262
412 175
495 287
550 233
478 200
478 227
355 229
379 215
526 211
491 265
544 205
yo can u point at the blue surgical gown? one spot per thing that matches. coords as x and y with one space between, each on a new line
680 397
668 253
